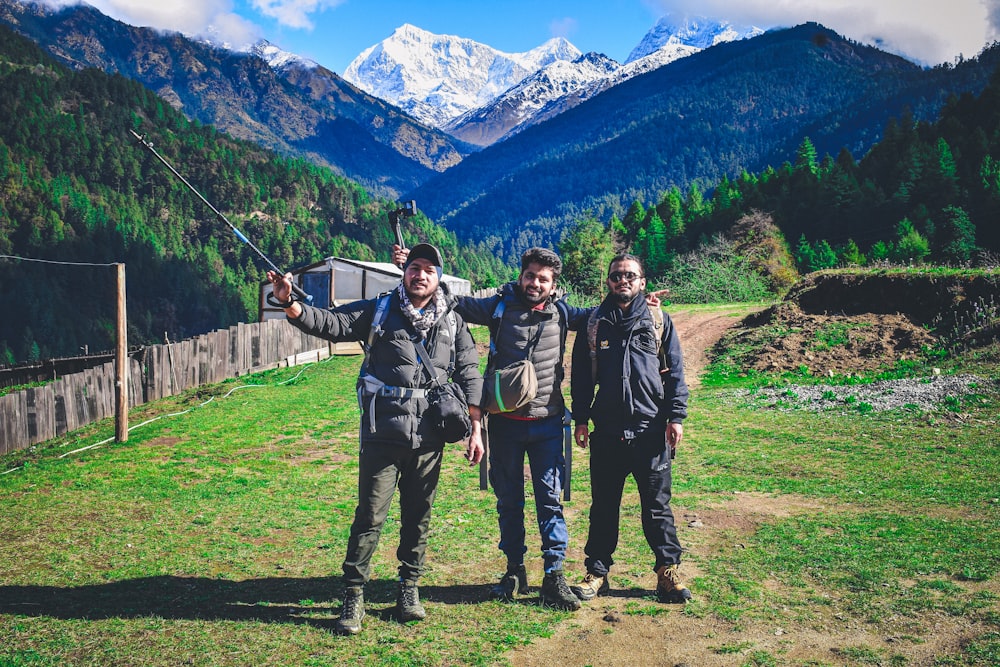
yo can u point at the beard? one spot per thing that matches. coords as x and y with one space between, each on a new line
623 298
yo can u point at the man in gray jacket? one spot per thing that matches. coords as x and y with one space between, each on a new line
399 444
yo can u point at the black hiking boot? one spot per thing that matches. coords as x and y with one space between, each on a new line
352 612
556 593
511 584
408 602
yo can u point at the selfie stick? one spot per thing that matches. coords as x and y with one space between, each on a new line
295 288
408 210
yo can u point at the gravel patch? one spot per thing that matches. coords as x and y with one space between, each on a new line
924 394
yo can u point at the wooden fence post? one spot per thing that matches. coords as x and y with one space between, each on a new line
121 362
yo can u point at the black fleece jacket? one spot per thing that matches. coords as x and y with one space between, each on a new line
634 392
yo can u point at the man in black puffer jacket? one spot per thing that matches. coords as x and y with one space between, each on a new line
637 413
398 442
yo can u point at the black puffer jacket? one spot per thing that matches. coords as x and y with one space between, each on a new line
633 394
394 361
518 328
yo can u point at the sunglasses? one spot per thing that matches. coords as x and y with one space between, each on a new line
627 276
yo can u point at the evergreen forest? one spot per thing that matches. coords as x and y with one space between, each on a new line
80 193
927 192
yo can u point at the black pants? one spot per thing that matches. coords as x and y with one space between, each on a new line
381 469
647 459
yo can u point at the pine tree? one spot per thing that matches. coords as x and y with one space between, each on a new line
910 247
805 156
805 256
657 257
850 254
586 251
957 235
824 257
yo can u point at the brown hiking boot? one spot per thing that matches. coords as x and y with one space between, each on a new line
669 587
352 612
556 593
591 586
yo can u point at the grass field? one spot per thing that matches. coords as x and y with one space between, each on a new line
215 537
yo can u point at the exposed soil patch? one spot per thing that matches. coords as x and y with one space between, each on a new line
787 339
837 323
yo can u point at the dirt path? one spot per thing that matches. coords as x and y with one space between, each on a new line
698 332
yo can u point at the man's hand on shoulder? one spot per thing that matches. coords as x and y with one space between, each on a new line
653 298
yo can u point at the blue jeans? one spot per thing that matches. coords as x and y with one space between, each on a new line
542 441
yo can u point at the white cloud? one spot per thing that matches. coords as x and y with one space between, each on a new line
563 27
927 31
190 17
294 13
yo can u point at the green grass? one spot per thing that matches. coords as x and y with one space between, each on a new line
215 537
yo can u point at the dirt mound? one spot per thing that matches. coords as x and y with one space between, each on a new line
835 323
831 344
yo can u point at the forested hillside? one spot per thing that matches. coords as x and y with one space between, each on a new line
295 109
75 187
927 192
734 107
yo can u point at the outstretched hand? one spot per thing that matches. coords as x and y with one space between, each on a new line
653 298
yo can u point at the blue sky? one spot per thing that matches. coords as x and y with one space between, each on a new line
333 32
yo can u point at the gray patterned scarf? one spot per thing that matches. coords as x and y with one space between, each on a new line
422 321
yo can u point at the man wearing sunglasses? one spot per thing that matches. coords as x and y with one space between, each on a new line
638 412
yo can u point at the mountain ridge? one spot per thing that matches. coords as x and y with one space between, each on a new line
437 78
736 106
296 109
447 82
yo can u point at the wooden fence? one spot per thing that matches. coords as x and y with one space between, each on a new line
37 414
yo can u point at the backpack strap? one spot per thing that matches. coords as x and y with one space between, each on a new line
656 314
376 331
497 317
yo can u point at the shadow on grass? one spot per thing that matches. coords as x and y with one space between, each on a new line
314 601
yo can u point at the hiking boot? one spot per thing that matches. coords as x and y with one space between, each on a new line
514 582
591 586
556 593
669 587
352 611
408 602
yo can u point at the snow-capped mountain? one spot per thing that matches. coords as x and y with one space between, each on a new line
437 78
538 97
695 32
278 58
562 85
